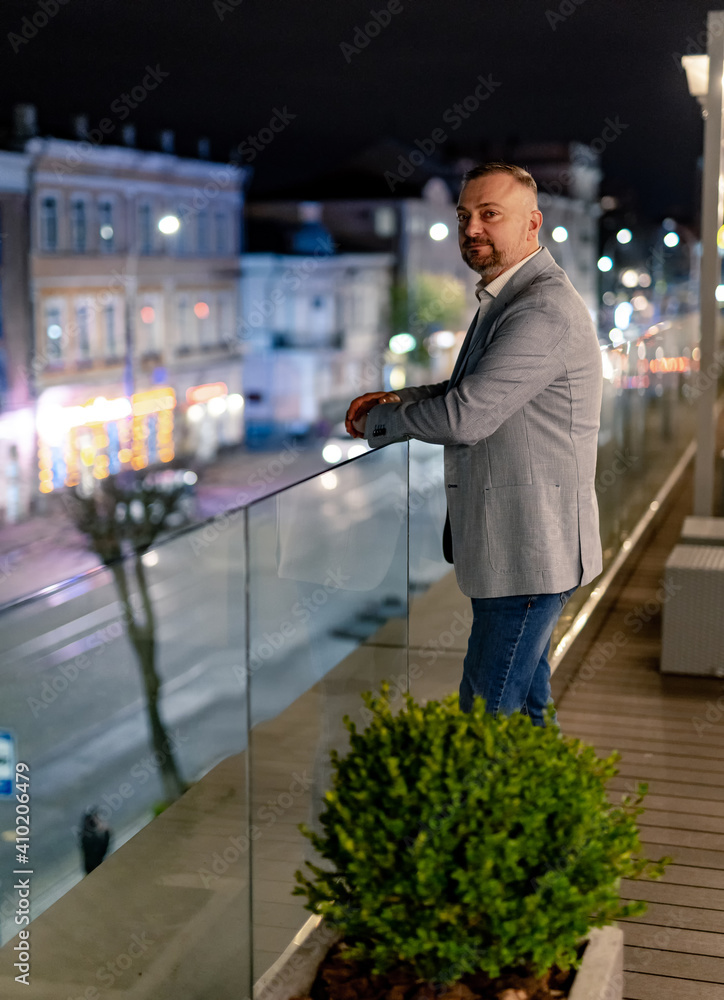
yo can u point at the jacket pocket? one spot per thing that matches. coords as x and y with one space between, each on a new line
527 527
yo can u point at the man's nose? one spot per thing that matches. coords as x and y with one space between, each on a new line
473 228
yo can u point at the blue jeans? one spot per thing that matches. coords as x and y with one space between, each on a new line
507 658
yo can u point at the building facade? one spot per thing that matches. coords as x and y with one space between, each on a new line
17 436
134 284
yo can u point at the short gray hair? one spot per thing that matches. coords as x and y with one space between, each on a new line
500 167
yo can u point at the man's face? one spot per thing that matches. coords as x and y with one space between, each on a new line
498 224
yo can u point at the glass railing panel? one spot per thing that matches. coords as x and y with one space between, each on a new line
327 621
78 707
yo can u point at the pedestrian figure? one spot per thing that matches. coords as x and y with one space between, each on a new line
94 839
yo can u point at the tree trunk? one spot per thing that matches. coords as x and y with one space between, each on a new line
143 639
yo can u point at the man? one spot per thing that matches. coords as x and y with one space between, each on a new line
519 419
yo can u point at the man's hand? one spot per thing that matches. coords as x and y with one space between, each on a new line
356 419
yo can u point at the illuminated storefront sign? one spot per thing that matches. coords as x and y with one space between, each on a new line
203 393
81 443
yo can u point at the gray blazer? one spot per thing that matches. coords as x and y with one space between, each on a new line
519 419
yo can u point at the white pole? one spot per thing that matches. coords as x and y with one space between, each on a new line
711 218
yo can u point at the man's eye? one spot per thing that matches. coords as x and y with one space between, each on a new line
462 218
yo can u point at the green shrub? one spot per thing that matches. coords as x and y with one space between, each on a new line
457 843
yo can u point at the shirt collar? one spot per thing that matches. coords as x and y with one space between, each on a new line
496 286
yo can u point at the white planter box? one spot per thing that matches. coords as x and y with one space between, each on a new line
600 976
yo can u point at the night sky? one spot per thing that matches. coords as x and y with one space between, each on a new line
560 69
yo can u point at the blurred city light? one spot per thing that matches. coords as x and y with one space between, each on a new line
639 302
398 377
147 314
605 263
697 74
720 238
195 413
190 478
150 558
438 231
622 315
624 236
55 332
444 339
616 336
609 298
671 239
629 278
560 234
402 343
328 481
669 224
719 293
169 224
106 232
356 450
201 310
235 402
644 279
332 453
217 406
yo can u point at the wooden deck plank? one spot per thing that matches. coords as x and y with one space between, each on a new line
683 855
672 939
708 878
677 964
677 895
670 789
637 986
688 917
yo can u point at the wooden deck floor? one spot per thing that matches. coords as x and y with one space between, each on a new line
675 951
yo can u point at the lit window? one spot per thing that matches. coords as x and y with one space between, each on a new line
105 225
54 333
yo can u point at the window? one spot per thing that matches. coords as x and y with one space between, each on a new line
182 238
78 228
145 231
221 231
53 333
105 226
83 322
203 232
49 223
109 330
183 322
149 324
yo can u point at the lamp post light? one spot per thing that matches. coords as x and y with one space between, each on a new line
704 78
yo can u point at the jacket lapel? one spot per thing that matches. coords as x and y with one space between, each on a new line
484 335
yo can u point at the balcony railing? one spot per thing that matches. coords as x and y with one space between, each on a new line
271 620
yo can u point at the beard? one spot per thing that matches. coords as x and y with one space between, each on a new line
484 264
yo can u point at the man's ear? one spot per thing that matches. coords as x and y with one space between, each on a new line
535 221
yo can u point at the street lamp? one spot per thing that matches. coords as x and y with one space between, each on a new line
704 78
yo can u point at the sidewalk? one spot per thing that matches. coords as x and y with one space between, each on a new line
47 549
